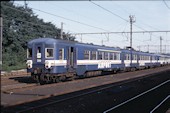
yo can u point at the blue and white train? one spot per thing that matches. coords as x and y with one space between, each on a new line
53 60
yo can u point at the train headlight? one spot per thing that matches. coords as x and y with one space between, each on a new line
47 64
29 64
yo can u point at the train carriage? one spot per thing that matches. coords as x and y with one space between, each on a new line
55 60
97 58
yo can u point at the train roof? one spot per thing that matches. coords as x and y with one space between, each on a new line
42 40
48 41
98 46
54 40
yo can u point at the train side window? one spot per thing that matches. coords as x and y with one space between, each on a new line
118 56
29 52
61 54
87 55
105 56
93 55
111 56
38 50
115 56
127 56
100 55
134 57
49 52
96 55
108 56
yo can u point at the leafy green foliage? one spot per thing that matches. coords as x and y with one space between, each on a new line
21 25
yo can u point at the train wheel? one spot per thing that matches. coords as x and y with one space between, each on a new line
57 80
71 78
48 79
62 78
41 79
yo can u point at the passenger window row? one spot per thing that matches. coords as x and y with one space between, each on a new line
100 55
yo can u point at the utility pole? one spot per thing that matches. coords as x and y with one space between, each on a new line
161 44
148 48
25 3
131 22
61 33
1 27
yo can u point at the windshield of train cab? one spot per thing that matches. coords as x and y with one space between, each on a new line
29 53
49 52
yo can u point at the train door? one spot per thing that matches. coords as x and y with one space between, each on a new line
38 54
71 59
137 58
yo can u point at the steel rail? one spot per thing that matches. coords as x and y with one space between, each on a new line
83 94
129 100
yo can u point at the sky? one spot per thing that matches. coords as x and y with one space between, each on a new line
110 16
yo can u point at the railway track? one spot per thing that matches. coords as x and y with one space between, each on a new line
117 89
152 94
13 82
21 83
12 79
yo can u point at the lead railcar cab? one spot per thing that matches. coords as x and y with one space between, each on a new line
50 59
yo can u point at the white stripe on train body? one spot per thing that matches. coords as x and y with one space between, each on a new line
50 63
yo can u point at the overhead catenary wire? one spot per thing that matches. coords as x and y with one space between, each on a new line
53 15
66 19
143 24
122 8
85 24
78 21
166 31
49 14
90 25
109 11
118 16
76 13
166 4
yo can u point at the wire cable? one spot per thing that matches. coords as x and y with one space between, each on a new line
85 24
166 4
109 11
119 16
